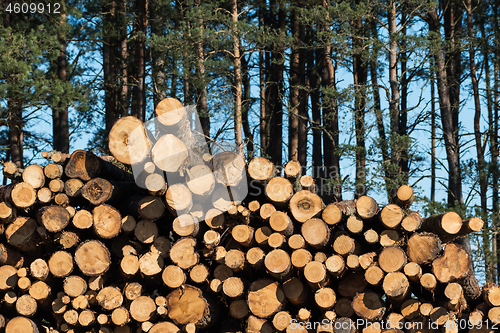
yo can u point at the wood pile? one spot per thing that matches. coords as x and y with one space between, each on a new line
86 248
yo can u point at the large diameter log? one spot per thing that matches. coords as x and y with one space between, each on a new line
179 199
229 168
423 247
164 327
128 141
368 305
200 180
444 225
396 286
34 175
491 294
107 221
92 258
183 253
53 218
188 305
21 324
305 205
392 259
170 154
279 190
260 169
295 291
86 166
22 195
366 207
109 298
278 263
316 232
8 277
265 298
455 265
391 216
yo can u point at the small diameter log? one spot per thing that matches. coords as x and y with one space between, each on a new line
199 273
455 294
261 235
233 287
428 281
367 259
132 290
392 259
413 271
179 199
92 258
211 239
214 219
296 242
129 265
235 259
155 184
109 298
325 298
26 305
128 141
371 236
343 307
7 212
173 276
39 269
276 240
21 324
293 170
53 171
396 286
320 257
345 325
86 318
354 224
374 275
243 234
266 210
404 197
229 168
278 263
56 185
332 214
307 183
391 216
316 275
188 305
410 309
61 264
491 294
34 175
83 219
351 284
261 169
150 264
335 265
282 223
74 286
426 309
23 283
238 309
295 291
300 258
443 225
22 195
146 231
412 222
73 187
107 221
53 218
305 205
344 245
455 265
183 253
40 291
11 171
389 237
255 257
62 200
279 190
366 207
423 247
265 298
352 262
368 305
316 232
282 319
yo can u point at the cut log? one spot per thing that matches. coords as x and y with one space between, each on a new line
86 166
279 190
276 240
296 242
150 264
316 275
164 327
73 187
26 305
305 205
368 305
320 257
128 141
53 171
295 291
199 273
335 265
56 185
374 275
396 286
189 305
60 264
40 291
325 298
146 231
410 309
316 232
214 219
266 210
332 214
389 237
428 281
345 325
11 171
258 325
107 221
183 253
261 235
391 216
129 265
173 276
109 298
474 224
34 175
412 222
404 197
300 258
238 309
21 324
229 168
62 200
179 199
255 257
92 258
8 277
265 298
392 259
22 195
9 256
74 286
211 239
307 183
235 259
423 247
367 259
261 169
233 287
282 223
491 294
20 232
351 284
53 218
278 263
184 225
366 207
439 315
200 180
413 271
352 262
282 319
354 224
293 170
243 234
445 225
371 236
344 245
344 308
7 212
83 219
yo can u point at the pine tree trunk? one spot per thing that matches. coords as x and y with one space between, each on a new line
238 135
293 119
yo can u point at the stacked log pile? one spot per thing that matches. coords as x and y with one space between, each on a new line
85 247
